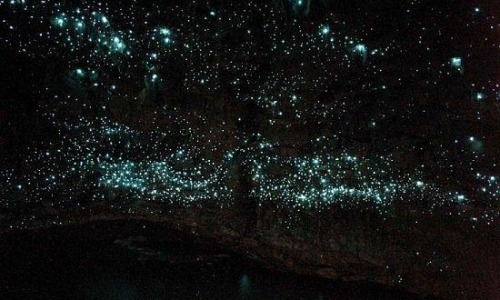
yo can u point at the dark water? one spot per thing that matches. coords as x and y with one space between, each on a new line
105 261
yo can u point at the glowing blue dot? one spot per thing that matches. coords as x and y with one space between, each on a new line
360 48
325 29
165 31
456 62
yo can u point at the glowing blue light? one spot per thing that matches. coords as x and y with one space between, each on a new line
301 6
165 31
457 64
361 50
324 30
59 21
14 2
118 44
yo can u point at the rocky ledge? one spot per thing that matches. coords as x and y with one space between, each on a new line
438 255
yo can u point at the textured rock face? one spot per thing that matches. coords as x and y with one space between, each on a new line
431 257
452 262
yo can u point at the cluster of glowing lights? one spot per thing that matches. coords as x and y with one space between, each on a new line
109 47
304 182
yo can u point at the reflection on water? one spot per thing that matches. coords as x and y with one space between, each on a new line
245 287
111 288
74 265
